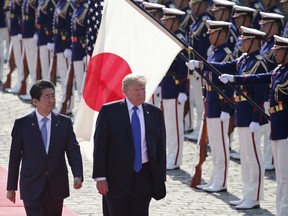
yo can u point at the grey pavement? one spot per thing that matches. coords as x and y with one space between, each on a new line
181 199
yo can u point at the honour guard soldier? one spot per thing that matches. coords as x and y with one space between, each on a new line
243 16
174 95
62 41
278 116
271 24
28 41
156 11
217 109
222 11
247 118
79 29
15 43
199 40
44 20
255 4
285 9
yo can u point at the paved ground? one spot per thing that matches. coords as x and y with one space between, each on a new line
181 200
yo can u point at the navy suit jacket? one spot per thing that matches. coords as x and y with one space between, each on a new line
38 167
114 149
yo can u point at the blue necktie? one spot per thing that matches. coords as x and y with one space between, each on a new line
44 131
136 129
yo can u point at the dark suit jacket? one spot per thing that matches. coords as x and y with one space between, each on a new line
37 167
114 149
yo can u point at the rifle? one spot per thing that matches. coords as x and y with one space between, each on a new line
11 60
53 68
38 65
23 88
201 143
69 87
190 49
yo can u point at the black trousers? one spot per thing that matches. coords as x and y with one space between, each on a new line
45 205
137 204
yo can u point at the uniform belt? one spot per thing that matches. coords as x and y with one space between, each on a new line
39 26
239 98
27 17
56 31
209 88
75 39
278 108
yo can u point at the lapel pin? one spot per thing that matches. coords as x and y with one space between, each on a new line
33 124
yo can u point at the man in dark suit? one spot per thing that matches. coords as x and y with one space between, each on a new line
41 140
127 186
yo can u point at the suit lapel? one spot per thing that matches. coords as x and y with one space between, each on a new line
148 126
126 120
55 123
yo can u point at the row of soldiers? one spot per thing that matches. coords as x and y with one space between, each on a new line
234 39
47 41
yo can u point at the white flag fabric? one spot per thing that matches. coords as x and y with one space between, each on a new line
129 41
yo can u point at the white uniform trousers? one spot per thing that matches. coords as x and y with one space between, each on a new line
44 61
251 163
219 143
280 152
173 115
79 73
265 131
4 39
30 50
15 44
155 100
62 69
196 99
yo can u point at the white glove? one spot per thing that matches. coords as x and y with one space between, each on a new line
19 36
50 46
158 91
85 60
182 97
192 64
35 37
67 53
224 116
225 78
254 126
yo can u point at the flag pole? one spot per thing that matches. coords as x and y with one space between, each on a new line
190 49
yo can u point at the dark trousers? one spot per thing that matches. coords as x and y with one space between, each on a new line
137 204
45 205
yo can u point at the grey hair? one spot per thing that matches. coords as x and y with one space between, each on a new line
132 78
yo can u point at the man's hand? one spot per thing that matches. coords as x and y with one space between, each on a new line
102 187
182 97
77 182
224 116
192 64
224 78
254 126
11 195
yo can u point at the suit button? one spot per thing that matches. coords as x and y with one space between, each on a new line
47 173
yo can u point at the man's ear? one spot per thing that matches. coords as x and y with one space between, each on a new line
34 102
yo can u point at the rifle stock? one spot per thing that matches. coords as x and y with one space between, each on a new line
23 88
7 83
68 89
53 68
38 65
196 179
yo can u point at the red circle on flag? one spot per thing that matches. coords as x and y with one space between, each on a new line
104 79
